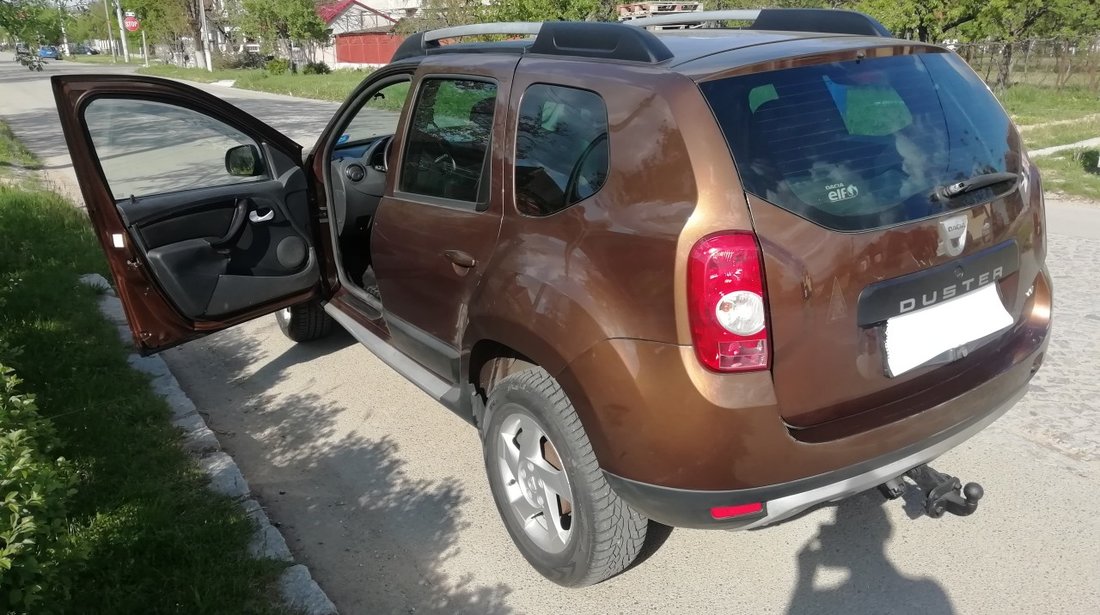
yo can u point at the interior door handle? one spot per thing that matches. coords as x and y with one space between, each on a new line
257 217
236 224
460 258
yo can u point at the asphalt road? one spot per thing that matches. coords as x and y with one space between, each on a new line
382 492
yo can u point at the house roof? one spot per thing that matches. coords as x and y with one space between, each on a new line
330 11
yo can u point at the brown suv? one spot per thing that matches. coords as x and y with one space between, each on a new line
707 277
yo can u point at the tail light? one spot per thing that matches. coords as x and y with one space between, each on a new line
726 303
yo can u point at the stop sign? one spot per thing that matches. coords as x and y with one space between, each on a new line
131 23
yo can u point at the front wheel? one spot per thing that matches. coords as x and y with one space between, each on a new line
304 322
548 487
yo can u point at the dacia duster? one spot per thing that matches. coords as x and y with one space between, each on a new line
707 277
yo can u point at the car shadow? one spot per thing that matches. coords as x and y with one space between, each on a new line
374 535
855 544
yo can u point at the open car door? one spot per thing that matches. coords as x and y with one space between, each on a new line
203 211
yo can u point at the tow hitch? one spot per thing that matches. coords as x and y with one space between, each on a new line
942 493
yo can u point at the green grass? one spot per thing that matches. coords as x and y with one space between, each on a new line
1072 172
195 74
13 153
1062 134
335 86
1028 104
145 535
102 58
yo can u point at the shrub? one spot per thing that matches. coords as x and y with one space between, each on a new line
316 68
240 60
278 66
34 487
1090 161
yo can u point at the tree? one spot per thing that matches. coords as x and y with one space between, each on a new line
547 10
1009 22
32 21
435 14
281 21
928 20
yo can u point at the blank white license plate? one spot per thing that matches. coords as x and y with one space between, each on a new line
915 338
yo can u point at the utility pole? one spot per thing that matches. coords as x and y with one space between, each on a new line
110 36
205 37
64 35
122 32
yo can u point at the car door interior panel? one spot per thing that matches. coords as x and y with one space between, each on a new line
219 250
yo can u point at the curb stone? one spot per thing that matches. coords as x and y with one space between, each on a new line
296 586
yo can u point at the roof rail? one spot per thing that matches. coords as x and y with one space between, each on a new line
588 39
832 21
505 28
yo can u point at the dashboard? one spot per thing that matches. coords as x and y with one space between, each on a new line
358 175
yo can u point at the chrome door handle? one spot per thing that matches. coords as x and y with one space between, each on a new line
255 216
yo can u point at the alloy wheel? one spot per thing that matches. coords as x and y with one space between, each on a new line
535 482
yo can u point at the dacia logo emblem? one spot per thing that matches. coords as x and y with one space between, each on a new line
953 235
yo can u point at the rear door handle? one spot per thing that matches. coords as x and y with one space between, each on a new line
460 258
257 217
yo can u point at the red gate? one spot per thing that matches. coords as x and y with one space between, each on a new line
366 47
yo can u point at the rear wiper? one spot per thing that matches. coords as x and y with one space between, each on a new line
976 183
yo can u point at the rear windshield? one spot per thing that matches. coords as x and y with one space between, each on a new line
863 144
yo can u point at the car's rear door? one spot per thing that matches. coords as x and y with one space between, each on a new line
434 233
203 211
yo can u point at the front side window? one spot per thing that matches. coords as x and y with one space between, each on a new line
561 148
446 155
863 144
147 147
377 117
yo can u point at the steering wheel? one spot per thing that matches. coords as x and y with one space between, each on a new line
575 173
380 147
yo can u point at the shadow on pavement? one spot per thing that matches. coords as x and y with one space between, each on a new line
856 543
386 533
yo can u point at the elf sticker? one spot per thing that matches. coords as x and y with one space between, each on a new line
840 192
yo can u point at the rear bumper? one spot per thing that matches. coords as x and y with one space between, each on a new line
675 440
691 508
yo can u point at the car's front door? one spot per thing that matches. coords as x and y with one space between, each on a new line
437 228
202 210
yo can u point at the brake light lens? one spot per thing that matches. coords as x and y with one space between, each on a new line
727 304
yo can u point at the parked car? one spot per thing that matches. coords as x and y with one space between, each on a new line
49 52
85 50
709 278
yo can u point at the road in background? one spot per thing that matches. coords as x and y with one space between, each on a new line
382 492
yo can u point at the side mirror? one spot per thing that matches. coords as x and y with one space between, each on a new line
244 161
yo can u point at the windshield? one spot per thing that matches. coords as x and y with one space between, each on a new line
863 144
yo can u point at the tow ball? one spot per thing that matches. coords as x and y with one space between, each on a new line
942 492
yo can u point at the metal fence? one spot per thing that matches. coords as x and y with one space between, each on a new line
1054 63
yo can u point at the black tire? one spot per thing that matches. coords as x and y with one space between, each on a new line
605 534
304 322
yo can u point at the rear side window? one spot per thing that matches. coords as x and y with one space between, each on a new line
561 148
452 125
863 144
